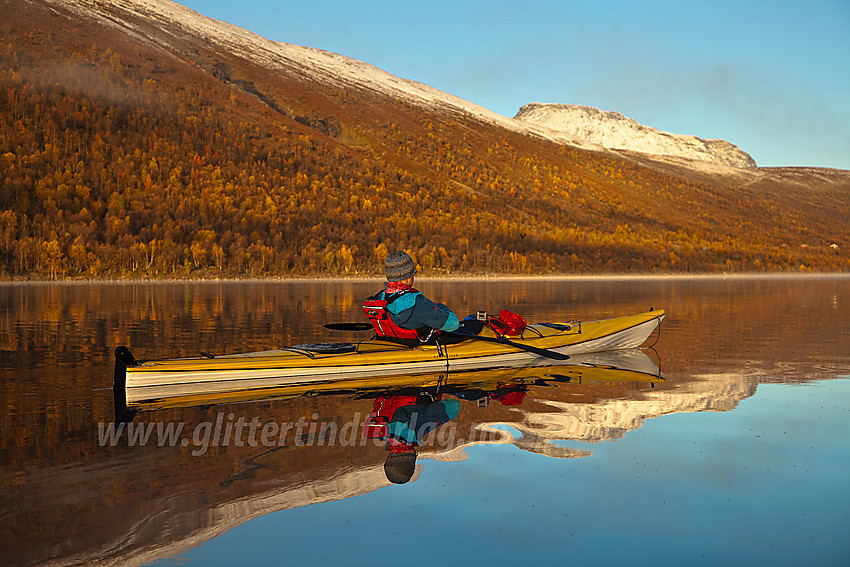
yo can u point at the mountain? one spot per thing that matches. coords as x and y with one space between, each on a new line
615 131
141 139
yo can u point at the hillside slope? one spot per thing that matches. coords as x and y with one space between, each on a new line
151 141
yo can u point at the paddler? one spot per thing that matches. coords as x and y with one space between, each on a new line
401 311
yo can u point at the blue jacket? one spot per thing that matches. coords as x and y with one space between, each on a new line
413 310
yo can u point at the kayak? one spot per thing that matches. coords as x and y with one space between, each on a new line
140 381
622 365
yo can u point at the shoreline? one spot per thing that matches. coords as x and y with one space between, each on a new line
439 278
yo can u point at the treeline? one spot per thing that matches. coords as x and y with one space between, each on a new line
114 166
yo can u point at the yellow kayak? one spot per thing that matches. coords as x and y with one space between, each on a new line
140 381
622 365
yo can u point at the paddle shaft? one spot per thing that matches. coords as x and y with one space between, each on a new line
503 341
499 340
348 326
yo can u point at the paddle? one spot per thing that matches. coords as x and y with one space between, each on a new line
503 341
499 340
348 326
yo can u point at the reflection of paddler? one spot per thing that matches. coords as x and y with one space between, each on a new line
404 421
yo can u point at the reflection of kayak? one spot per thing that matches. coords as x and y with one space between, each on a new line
623 365
160 379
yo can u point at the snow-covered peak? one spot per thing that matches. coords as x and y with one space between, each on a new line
615 131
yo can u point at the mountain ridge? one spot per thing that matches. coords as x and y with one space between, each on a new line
321 65
340 70
613 130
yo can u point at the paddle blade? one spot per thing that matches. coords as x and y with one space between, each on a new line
348 326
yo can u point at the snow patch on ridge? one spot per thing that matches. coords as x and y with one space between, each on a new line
614 131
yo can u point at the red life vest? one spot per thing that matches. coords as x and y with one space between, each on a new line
375 310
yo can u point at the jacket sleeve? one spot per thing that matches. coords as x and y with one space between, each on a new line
434 315
451 323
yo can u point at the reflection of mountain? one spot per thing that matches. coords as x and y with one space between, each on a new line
136 504
613 419
179 524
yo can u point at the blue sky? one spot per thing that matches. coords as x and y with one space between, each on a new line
770 77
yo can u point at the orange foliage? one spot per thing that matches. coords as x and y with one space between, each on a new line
115 164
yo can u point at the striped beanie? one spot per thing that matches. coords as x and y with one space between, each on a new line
399 266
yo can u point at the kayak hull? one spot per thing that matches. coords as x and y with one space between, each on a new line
161 379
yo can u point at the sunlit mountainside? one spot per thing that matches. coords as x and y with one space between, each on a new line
613 130
141 139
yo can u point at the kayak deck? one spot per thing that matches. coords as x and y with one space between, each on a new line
158 379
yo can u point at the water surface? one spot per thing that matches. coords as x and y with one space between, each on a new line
740 455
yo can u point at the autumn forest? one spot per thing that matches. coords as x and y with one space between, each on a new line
119 160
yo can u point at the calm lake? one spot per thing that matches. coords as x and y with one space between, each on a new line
739 454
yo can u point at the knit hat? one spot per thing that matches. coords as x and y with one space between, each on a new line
399 266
